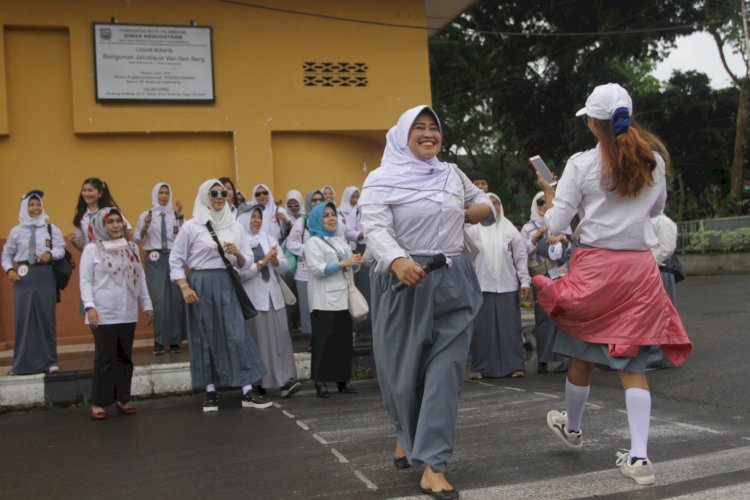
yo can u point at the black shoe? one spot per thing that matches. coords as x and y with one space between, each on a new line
322 391
260 390
175 349
401 463
346 387
291 386
541 368
253 399
442 494
211 402
158 349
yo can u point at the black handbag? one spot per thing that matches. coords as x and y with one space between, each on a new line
675 267
248 309
62 268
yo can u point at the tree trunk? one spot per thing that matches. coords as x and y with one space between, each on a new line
680 197
740 146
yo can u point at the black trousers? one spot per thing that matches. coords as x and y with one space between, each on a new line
113 366
332 348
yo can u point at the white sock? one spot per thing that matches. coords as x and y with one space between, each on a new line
246 388
210 388
638 403
575 401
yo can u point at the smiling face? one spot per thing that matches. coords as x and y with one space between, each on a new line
219 199
293 206
256 221
35 207
316 198
261 195
113 225
330 221
328 194
163 195
90 194
424 137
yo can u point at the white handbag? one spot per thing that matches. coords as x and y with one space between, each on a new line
289 297
358 308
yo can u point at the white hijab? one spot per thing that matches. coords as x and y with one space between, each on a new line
535 215
226 227
156 208
402 177
244 220
293 194
345 207
27 220
269 209
494 239
323 191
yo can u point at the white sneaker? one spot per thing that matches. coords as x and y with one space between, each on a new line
475 376
557 421
53 369
642 471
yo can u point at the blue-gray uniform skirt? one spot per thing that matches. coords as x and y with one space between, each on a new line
656 358
421 342
496 342
221 351
169 307
34 299
545 332
304 307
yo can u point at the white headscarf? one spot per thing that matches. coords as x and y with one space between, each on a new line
345 207
24 218
494 239
293 194
402 177
323 190
535 215
226 227
246 212
156 208
269 209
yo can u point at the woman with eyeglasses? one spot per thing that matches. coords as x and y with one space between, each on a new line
112 284
545 329
295 205
275 219
27 256
222 354
157 228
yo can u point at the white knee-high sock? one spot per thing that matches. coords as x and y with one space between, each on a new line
638 403
210 388
246 388
575 401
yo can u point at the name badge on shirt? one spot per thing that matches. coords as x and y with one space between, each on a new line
48 242
154 255
23 270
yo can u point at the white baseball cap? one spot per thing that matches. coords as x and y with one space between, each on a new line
604 100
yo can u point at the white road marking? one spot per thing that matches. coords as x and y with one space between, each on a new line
746 438
680 424
322 441
287 413
341 457
514 389
302 424
486 384
276 405
545 394
370 485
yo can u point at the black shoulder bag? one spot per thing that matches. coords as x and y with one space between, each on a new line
248 310
62 268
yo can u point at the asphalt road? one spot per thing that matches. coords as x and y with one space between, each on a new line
341 448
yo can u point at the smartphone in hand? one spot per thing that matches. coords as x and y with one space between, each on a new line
538 164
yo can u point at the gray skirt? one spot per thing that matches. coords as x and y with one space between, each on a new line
496 343
271 333
34 299
599 354
304 307
169 307
221 350
421 343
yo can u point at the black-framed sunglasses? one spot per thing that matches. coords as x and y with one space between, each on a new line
317 199
540 202
218 194
261 193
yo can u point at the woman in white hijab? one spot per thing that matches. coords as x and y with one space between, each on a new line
30 247
351 219
496 344
295 205
157 239
421 334
545 329
261 282
275 219
112 284
221 353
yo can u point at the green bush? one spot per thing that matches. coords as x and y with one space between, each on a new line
736 240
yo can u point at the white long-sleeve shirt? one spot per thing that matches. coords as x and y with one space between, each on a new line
354 228
16 247
295 243
607 220
191 248
152 239
326 293
515 265
114 303
422 227
666 233
265 294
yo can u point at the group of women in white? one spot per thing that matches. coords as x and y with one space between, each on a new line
412 208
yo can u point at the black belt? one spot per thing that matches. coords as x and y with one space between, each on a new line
167 250
27 263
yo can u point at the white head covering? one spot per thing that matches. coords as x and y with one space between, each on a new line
269 209
494 238
323 190
24 218
156 208
120 257
293 194
402 177
345 207
535 215
223 222
246 212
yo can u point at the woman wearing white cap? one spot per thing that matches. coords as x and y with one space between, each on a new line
156 229
611 313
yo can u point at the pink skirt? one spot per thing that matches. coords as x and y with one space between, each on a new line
615 297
